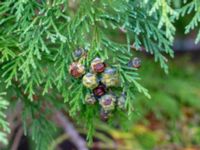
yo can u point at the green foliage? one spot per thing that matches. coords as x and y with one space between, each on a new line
192 7
164 11
36 124
4 125
152 28
38 38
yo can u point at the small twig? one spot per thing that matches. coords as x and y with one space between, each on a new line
122 29
17 139
71 131
142 48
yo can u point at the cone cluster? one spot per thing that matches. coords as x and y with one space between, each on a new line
100 80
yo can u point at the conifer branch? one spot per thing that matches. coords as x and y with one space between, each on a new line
37 44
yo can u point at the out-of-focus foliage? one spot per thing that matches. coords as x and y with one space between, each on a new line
181 87
172 113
